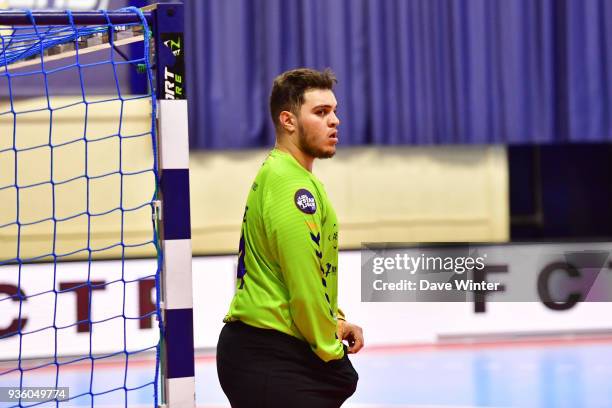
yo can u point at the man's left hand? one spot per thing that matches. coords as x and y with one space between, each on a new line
352 333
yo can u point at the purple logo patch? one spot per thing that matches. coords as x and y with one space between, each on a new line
305 202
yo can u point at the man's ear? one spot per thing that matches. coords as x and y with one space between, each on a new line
288 121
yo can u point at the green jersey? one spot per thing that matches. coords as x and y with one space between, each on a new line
288 257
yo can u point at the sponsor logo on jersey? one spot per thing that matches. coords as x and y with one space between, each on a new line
305 201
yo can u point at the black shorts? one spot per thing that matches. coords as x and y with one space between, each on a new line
261 368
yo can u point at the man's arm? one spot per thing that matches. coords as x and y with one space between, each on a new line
294 235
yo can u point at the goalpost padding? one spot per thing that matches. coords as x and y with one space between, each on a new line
179 379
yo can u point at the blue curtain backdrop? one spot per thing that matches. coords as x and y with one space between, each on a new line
410 72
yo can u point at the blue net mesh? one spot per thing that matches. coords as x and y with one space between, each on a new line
25 43
79 253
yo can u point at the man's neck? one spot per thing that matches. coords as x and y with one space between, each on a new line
287 146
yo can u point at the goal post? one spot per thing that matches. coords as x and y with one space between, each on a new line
177 298
52 36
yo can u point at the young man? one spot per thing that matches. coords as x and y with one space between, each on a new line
282 342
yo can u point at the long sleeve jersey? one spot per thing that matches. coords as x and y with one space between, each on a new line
288 257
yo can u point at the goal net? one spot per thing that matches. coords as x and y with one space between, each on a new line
80 258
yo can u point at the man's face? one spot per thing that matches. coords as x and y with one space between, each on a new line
318 124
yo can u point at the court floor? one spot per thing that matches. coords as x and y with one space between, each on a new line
553 374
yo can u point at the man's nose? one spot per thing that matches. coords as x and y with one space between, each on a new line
334 120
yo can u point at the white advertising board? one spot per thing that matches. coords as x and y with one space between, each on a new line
118 292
